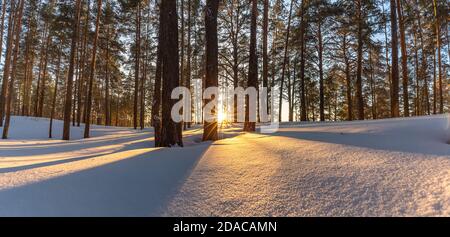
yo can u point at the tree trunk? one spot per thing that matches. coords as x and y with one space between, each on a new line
171 132
156 117
92 71
107 99
348 80
439 60
189 56
395 108
250 126
434 83
17 30
137 65
73 48
182 43
82 90
55 92
321 85
2 27
29 62
44 75
285 61
303 29
359 93
265 73
7 64
211 80
405 80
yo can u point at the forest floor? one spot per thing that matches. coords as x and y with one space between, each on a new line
396 167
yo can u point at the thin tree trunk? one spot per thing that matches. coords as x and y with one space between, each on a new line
439 60
7 64
44 75
388 72
28 71
92 71
82 107
424 66
372 86
107 101
55 92
68 99
189 56
137 65
156 105
265 73
182 45
359 93
348 80
395 108
434 83
285 61
10 95
2 27
405 80
321 85
303 30
250 126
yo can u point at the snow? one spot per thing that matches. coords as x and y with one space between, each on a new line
394 167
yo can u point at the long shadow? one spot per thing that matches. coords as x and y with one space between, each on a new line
384 141
81 144
49 163
138 186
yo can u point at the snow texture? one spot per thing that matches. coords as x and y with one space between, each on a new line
395 167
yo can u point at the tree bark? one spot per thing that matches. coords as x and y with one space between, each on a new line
321 84
285 62
359 93
348 80
107 99
265 73
171 132
250 126
68 99
17 30
55 92
81 112
156 105
395 108
303 29
137 65
405 80
7 64
92 71
210 128
439 59
189 56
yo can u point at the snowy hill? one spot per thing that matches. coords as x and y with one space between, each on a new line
369 168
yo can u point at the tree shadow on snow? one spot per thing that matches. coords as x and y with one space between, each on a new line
135 186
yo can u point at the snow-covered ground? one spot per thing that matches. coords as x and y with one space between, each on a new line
373 168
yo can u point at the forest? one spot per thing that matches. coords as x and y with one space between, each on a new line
115 62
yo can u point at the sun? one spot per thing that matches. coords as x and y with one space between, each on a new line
221 117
